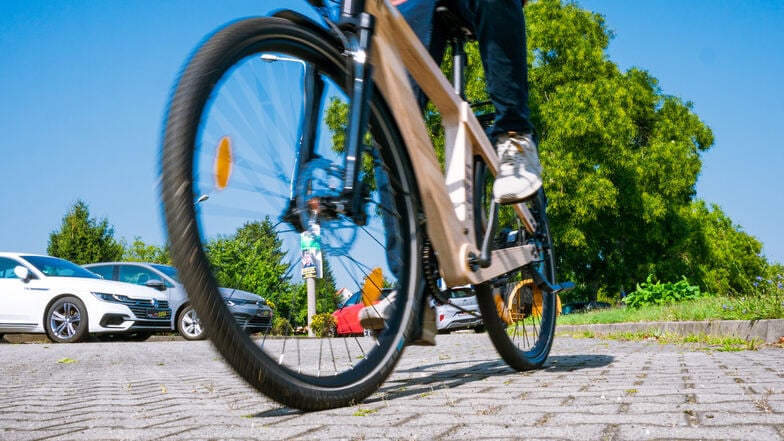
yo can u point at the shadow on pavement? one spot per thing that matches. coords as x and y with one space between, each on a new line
468 372
395 387
440 376
569 363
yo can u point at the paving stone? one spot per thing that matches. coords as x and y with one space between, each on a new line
588 389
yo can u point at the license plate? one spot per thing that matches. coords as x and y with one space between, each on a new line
155 313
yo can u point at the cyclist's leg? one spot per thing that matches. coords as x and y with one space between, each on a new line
500 31
419 16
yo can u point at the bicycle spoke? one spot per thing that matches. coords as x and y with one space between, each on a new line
258 116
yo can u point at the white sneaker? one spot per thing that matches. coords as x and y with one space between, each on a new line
519 173
374 318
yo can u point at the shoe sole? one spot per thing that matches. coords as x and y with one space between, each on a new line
374 323
513 199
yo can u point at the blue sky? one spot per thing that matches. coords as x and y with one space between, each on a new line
84 85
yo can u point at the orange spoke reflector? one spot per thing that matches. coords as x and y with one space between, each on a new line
223 163
371 290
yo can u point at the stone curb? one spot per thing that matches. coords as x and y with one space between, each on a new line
769 331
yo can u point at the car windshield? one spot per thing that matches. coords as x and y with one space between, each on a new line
169 271
356 298
55 267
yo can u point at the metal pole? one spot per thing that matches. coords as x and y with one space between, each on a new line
311 286
308 79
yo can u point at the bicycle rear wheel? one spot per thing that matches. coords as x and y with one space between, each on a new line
237 179
519 316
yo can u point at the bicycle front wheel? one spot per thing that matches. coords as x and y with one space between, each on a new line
254 134
519 316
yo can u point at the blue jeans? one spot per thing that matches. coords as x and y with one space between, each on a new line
499 26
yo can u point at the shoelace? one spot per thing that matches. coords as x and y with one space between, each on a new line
512 153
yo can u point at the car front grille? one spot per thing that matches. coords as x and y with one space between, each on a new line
139 307
141 312
253 322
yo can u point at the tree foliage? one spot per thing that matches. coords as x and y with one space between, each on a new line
139 251
82 239
621 161
252 260
731 260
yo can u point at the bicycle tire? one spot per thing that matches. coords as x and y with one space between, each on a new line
391 230
519 317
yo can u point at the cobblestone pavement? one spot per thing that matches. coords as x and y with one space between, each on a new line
590 389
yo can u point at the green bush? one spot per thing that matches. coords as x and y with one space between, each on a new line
650 293
323 324
281 326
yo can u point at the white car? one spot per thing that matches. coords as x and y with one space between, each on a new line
249 310
44 294
460 312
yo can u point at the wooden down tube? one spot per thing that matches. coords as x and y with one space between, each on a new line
446 198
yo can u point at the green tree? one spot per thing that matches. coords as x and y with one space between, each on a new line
252 260
82 239
730 260
621 159
139 251
326 287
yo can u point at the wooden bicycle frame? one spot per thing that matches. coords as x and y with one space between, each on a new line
446 197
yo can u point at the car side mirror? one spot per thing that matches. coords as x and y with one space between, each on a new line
156 284
23 273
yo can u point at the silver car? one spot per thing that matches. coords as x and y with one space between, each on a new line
249 310
460 312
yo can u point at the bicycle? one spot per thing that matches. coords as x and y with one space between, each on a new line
282 126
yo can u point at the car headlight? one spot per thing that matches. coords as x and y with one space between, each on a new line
114 298
240 302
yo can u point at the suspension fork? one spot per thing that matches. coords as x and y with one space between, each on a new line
312 97
355 27
312 93
358 26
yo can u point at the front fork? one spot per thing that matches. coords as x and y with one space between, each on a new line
357 29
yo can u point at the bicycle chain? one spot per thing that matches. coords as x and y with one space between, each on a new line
430 267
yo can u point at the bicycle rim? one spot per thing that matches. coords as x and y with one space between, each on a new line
230 169
518 315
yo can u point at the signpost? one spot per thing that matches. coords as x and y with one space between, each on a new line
310 246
